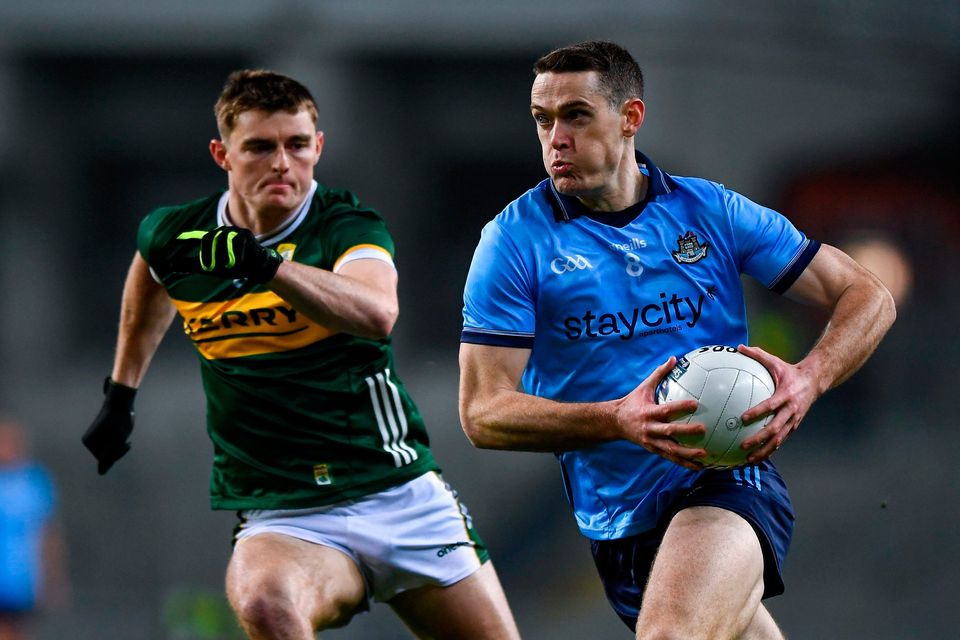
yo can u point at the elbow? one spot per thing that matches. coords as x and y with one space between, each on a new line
477 432
887 313
479 437
890 308
474 433
380 323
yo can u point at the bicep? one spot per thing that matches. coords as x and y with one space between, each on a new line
144 297
378 275
486 369
829 274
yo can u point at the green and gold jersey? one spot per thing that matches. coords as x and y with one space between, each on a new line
299 415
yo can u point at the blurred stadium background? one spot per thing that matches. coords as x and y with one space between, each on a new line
841 114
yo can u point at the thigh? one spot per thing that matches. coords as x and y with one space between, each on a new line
321 583
707 578
415 535
474 608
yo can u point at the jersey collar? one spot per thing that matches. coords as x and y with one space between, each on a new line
287 227
567 208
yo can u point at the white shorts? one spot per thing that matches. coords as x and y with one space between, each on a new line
406 537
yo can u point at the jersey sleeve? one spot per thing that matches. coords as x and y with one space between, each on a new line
153 241
769 247
355 234
147 234
498 299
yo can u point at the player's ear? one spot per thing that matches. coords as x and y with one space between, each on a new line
633 111
319 144
218 150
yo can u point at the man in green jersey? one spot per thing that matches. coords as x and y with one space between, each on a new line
288 291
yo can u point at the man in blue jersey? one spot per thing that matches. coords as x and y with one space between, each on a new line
580 294
32 571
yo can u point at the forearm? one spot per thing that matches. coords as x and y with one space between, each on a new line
514 420
340 302
145 316
861 317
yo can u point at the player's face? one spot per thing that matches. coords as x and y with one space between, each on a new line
582 137
270 159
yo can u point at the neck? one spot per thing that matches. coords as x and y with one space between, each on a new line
619 194
258 221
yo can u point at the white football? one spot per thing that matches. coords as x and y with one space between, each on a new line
725 383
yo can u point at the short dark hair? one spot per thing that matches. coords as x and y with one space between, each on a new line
259 89
620 75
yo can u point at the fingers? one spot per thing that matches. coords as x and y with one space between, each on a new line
215 252
192 235
756 412
676 410
660 372
107 460
684 456
764 450
665 440
756 353
765 442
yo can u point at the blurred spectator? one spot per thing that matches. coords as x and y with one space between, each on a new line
31 551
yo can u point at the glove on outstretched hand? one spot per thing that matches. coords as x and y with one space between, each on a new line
229 252
107 438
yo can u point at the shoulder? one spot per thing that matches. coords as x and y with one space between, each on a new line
174 216
163 223
697 188
331 202
529 213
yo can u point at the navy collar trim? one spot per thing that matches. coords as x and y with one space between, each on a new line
567 208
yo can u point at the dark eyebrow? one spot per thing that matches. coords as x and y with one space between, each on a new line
566 106
250 143
256 142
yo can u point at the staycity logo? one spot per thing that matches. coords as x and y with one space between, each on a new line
565 264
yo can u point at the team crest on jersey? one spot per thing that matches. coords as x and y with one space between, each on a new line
321 474
690 249
286 250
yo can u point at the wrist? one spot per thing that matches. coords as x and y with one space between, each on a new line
612 419
118 395
271 261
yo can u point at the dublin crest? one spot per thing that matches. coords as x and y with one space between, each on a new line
689 249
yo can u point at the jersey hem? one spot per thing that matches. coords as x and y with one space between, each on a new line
795 268
487 337
302 502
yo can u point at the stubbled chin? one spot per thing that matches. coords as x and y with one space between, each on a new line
565 184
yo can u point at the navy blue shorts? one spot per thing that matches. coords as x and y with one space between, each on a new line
755 492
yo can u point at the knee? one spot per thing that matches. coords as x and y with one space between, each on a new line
672 632
687 628
268 615
273 613
649 632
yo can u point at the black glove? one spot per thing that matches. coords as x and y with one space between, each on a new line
229 252
107 436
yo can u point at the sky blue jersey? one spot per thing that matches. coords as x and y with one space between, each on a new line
601 306
27 502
